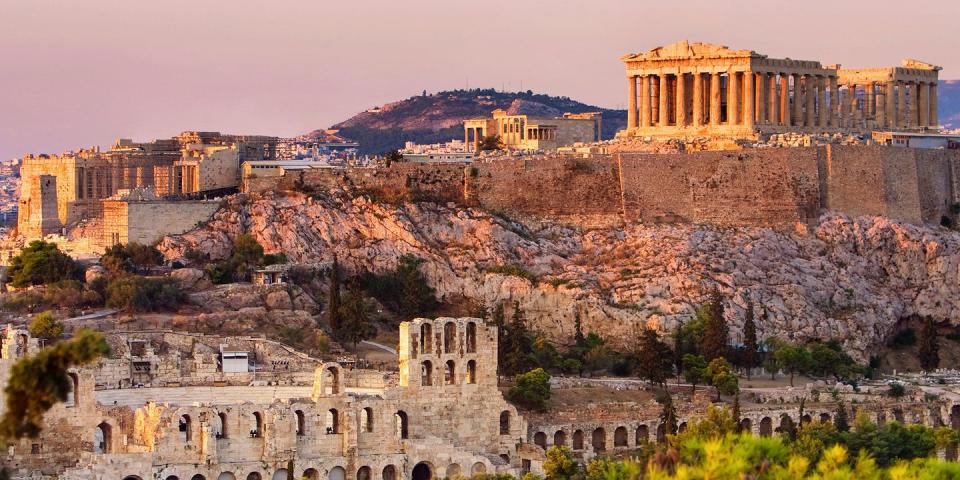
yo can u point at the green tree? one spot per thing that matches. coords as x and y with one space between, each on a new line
694 370
392 156
515 342
793 359
491 142
132 257
418 298
41 263
333 307
841 420
560 464
38 382
355 315
45 326
928 348
133 293
532 389
722 378
896 390
668 414
654 358
247 254
716 334
751 349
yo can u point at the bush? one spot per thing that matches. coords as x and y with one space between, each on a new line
896 390
131 293
132 257
45 326
404 290
515 271
41 263
532 389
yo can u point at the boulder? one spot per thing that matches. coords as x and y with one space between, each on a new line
278 300
192 278
94 272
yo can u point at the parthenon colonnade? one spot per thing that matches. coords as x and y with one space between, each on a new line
902 97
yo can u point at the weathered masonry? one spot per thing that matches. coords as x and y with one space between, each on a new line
689 90
525 132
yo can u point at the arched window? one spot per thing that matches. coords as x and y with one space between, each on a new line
389 473
400 419
220 429
449 337
599 440
505 422
363 473
472 371
426 373
560 438
337 473
422 471
73 398
301 423
453 470
450 373
746 425
198 477
333 421
540 440
334 375
766 427
366 420
471 337
102 438
280 474
257 430
254 476
478 469
643 434
426 339
578 440
226 476
620 437
311 474
186 427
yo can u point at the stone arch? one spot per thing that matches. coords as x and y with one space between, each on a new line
337 473
681 427
471 337
578 440
898 414
478 469
505 422
332 373
540 440
642 435
257 430
280 474
311 474
422 471
226 476
453 470
254 476
955 417
661 433
173 477
366 420
389 473
450 373
198 477
472 371
103 438
560 438
185 424
598 440
746 425
825 417
620 437
301 423
220 427
402 424
132 477
766 427
333 421
426 338
73 397
426 373
806 419
449 337
363 473
786 424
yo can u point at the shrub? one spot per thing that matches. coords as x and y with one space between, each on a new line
41 263
404 290
896 390
515 271
45 326
532 389
131 293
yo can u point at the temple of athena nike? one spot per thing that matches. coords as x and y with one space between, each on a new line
691 90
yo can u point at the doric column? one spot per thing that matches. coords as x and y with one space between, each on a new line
632 112
934 115
834 102
655 99
664 91
901 104
881 108
785 119
890 99
924 99
714 98
681 103
749 99
823 111
733 99
645 101
809 88
797 100
912 104
697 99
773 116
870 103
760 85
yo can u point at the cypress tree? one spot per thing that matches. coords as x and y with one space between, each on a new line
716 333
333 307
751 347
929 349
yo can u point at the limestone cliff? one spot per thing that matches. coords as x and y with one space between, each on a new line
851 279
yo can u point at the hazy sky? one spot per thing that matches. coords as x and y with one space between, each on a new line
82 72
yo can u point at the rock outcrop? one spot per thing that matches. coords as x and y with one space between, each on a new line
850 279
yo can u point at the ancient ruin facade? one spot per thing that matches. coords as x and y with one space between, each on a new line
60 190
525 132
689 90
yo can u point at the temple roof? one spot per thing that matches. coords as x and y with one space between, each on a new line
911 63
685 49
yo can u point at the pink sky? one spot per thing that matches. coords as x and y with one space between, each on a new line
83 72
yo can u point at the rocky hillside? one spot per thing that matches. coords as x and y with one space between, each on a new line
439 117
852 279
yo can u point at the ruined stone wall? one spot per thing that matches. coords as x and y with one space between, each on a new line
146 222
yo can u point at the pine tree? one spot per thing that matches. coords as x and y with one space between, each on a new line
716 335
929 349
840 420
654 358
355 314
668 414
578 339
735 413
333 307
751 348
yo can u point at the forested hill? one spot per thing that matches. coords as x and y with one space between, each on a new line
439 117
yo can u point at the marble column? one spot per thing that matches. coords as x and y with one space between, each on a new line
834 102
632 112
797 100
924 100
697 99
733 99
785 100
749 99
870 103
645 101
809 87
823 111
855 114
880 108
655 99
934 115
681 103
773 116
911 104
714 98
761 97
890 100
664 90
901 104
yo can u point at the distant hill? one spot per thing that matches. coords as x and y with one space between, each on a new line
439 117
948 96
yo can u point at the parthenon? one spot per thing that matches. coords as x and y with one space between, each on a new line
696 89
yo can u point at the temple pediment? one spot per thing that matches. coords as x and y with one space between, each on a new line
911 63
685 49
